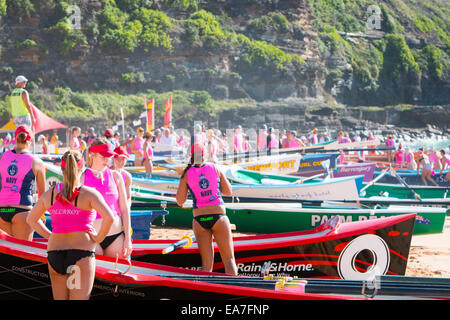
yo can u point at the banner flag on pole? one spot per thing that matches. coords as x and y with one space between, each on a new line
150 115
168 112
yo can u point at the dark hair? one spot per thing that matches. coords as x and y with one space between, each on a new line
190 164
22 138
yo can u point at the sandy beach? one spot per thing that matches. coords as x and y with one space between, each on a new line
429 255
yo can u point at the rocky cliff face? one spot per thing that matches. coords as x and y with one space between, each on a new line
324 71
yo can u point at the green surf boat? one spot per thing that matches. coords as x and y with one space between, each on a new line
285 217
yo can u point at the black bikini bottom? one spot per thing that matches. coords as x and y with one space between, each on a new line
207 221
61 260
7 213
110 239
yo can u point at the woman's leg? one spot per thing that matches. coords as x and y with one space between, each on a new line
115 248
423 175
20 228
429 178
81 281
5 226
60 289
205 245
224 239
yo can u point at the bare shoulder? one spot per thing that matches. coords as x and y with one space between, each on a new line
38 163
86 191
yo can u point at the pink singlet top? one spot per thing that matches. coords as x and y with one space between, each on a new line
408 158
400 155
106 186
433 158
273 142
139 144
313 139
292 144
68 218
16 184
148 152
389 142
238 142
204 184
262 140
76 143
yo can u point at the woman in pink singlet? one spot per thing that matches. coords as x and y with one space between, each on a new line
435 158
110 184
445 163
120 159
389 143
18 170
206 184
137 147
399 155
262 138
408 160
74 143
148 154
72 240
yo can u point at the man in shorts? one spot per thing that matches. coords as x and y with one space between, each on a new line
21 107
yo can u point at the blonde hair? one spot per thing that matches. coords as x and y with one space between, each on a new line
70 172
75 129
99 140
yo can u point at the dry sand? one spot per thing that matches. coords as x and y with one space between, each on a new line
429 255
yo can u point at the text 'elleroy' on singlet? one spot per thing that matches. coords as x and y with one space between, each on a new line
204 184
106 186
67 218
17 177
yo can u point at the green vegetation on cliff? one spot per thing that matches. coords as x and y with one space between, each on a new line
235 49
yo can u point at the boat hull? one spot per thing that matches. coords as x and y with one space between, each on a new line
320 252
411 178
25 276
401 192
282 217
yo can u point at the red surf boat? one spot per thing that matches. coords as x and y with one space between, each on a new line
25 276
351 250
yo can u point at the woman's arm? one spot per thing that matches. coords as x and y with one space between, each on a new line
225 186
39 173
182 191
98 203
124 213
39 209
128 187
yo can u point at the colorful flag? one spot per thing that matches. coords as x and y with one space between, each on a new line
168 112
150 115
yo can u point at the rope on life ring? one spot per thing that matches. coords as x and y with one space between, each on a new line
376 245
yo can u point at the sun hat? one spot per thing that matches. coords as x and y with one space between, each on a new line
20 79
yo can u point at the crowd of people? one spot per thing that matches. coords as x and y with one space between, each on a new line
90 209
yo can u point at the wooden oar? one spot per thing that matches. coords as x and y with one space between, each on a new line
394 173
374 180
185 242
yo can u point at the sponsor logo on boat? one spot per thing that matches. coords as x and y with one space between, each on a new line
274 267
319 219
288 164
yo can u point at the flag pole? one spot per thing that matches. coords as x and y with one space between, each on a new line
123 123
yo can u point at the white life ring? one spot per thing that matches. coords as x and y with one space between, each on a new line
381 258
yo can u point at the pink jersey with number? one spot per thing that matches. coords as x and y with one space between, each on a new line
204 184
16 185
